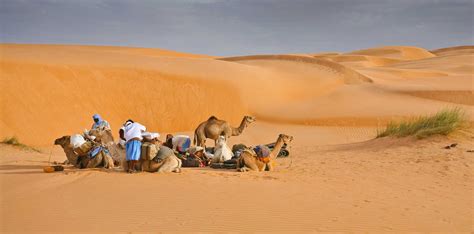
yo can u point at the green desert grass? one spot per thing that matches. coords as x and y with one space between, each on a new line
443 122
15 142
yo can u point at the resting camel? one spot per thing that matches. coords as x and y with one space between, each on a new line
213 128
83 161
169 164
105 137
248 159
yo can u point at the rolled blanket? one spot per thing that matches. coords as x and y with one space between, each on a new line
262 151
94 152
181 143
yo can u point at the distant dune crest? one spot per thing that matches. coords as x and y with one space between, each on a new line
52 90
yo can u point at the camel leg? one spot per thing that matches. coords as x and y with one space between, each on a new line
108 162
243 169
270 166
95 162
170 165
250 163
246 163
178 168
166 166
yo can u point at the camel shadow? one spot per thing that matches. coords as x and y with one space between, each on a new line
21 169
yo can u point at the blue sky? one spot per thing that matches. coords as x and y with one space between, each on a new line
239 27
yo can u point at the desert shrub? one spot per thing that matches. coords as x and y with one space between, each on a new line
443 122
15 142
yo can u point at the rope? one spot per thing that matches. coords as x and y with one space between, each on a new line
291 158
50 153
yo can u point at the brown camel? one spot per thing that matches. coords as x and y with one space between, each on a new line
248 159
213 128
105 137
83 161
169 163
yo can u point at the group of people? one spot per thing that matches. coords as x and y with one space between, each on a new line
132 134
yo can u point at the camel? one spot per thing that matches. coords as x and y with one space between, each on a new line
65 143
213 128
104 136
83 161
248 159
222 152
169 164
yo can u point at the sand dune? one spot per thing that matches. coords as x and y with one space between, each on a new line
52 90
348 75
396 52
361 61
337 178
456 50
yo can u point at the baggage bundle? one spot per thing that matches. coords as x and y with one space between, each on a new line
148 151
77 140
83 149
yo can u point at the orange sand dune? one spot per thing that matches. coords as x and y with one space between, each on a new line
456 50
336 179
396 52
52 90
361 61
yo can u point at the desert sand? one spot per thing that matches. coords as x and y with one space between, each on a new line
337 178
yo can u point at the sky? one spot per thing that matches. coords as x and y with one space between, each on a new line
240 27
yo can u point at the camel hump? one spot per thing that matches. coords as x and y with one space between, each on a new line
212 118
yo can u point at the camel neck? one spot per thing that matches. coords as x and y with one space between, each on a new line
240 129
277 148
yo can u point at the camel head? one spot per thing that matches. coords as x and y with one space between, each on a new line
285 138
63 141
249 119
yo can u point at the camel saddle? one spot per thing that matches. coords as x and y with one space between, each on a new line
261 152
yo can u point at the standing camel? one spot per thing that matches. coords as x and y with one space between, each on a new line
249 160
213 128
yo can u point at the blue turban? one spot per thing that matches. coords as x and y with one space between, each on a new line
97 116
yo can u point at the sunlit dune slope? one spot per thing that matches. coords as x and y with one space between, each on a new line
396 52
52 90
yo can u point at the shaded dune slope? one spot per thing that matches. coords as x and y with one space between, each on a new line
456 50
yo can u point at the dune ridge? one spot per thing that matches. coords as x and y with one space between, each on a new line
398 52
173 91
350 76
455 50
